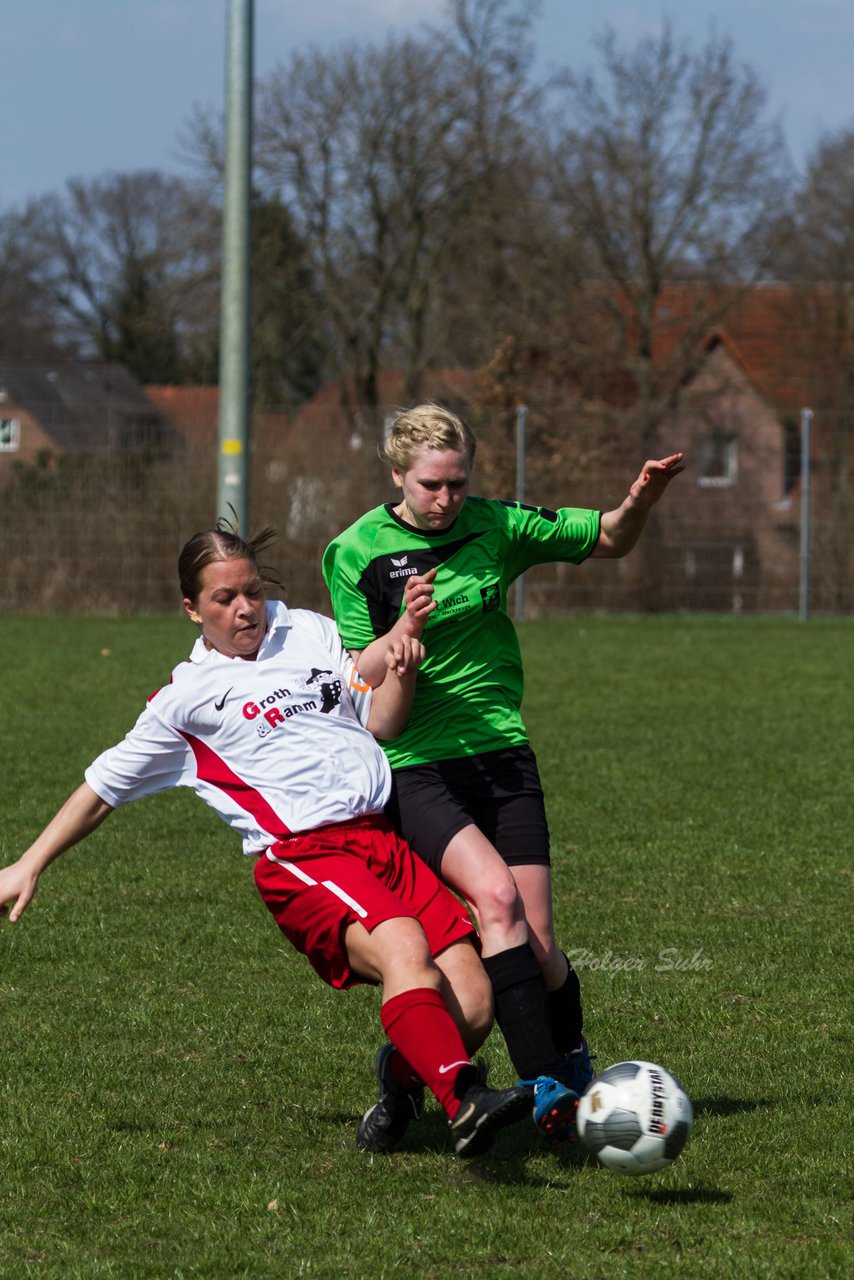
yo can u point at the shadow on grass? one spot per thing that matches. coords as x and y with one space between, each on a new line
505 1164
729 1106
688 1195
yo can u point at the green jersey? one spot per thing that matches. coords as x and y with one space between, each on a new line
469 688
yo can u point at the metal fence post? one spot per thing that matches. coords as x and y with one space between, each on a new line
233 439
806 481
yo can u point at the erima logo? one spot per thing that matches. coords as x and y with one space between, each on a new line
402 568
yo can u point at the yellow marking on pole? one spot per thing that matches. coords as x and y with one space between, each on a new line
232 446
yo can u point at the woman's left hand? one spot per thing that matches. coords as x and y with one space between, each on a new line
655 476
405 655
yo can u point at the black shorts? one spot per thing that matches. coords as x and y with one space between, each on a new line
498 791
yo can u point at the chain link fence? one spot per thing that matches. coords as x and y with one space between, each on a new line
100 533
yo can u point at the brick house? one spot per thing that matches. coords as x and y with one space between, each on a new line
732 523
60 408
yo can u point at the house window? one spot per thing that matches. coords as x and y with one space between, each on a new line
10 435
717 460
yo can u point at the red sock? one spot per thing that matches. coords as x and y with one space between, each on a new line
404 1073
418 1024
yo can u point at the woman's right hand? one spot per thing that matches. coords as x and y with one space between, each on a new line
17 886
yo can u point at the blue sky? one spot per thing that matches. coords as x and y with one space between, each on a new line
98 85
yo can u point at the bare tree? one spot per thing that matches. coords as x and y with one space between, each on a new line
667 170
289 352
130 261
503 286
288 355
360 147
820 240
400 166
28 323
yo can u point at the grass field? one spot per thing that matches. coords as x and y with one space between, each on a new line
179 1093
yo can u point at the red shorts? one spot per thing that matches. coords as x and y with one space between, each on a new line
318 883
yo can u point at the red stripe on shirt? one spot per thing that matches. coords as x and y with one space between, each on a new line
152 696
212 769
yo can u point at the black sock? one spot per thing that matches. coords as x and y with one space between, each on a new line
522 1010
566 1013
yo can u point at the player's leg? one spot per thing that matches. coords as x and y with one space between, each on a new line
476 871
514 818
465 986
564 989
471 820
436 806
511 812
419 1024
352 927
432 808
467 992
534 884
400 1095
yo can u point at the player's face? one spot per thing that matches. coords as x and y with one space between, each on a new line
434 487
230 608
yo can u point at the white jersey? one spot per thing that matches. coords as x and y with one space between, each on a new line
275 746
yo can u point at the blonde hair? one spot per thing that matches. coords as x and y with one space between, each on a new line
430 426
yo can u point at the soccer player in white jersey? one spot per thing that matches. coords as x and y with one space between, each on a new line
270 723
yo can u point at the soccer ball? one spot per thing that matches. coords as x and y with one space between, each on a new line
635 1117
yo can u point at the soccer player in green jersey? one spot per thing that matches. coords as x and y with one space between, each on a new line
438 564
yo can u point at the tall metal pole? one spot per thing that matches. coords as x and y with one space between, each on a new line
806 485
233 457
521 478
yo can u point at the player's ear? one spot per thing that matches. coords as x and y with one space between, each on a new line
191 612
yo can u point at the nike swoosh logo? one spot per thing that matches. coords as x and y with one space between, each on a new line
464 1062
219 705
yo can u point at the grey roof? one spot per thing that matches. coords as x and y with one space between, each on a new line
86 407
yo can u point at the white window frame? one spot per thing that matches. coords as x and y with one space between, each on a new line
728 447
10 435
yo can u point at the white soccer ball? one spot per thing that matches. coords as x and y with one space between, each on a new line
635 1117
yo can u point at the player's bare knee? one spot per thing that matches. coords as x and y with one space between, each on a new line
396 947
498 905
406 948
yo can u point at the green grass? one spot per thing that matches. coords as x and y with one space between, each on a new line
179 1092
